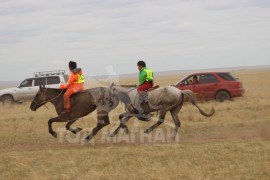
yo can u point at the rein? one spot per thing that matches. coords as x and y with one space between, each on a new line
48 100
128 86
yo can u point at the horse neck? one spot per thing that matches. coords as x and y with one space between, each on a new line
131 92
125 89
54 95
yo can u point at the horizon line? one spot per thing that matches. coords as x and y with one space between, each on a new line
174 71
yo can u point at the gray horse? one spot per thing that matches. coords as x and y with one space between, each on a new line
160 100
82 104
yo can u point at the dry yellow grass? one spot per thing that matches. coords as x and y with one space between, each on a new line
234 144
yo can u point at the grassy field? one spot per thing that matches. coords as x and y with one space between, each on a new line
233 144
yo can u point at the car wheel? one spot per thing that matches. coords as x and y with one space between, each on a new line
7 100
223 96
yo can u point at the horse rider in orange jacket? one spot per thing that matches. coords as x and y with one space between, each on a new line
75 84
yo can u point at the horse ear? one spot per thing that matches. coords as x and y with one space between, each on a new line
112 85
41 87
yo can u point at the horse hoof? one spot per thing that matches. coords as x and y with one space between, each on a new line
73 131
112 135
83 142
87 139
54 134
145 118
121 116
126 130
147 131
173 136
78 129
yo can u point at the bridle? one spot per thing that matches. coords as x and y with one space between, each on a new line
37 104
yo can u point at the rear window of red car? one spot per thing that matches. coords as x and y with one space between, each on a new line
207 78
226 76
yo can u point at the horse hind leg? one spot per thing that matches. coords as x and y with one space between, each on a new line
123 120
69 128
174 113
160 121
103 120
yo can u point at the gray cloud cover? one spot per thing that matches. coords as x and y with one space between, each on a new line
37 35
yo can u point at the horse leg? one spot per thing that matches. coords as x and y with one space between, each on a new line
103 120
174 113
160 121
52 120
123 121
69 128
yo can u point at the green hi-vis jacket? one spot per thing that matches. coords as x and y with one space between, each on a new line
146 75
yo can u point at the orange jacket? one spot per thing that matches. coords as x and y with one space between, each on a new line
73 78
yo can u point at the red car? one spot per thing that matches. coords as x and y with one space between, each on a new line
212 85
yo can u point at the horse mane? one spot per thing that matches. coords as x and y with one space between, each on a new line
128 86
123 94
56 90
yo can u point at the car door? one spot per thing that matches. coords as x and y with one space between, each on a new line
208 86
23 92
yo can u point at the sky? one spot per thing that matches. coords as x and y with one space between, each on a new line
41 35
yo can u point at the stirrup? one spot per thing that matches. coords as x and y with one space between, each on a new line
65 114
144 117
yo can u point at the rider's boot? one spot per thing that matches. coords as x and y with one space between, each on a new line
142 107
65 114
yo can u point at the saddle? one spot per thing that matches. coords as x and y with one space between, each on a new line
144 99
76 93
152 88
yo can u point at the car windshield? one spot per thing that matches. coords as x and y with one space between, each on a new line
181 81
26 83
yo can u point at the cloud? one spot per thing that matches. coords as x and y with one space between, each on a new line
220 4
16 7
177 34
257 3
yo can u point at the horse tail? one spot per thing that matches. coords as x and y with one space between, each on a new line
191 96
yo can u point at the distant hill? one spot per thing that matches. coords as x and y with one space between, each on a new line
173 72
6 84
229 69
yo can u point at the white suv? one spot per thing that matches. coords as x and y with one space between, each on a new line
28 88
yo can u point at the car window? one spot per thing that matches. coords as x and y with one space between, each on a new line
53 80
40 81
27 83
207 78
187 81
190 80
226 76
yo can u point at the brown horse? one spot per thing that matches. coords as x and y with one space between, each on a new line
82 103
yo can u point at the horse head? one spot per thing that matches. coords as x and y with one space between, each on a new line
122 91
40 99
